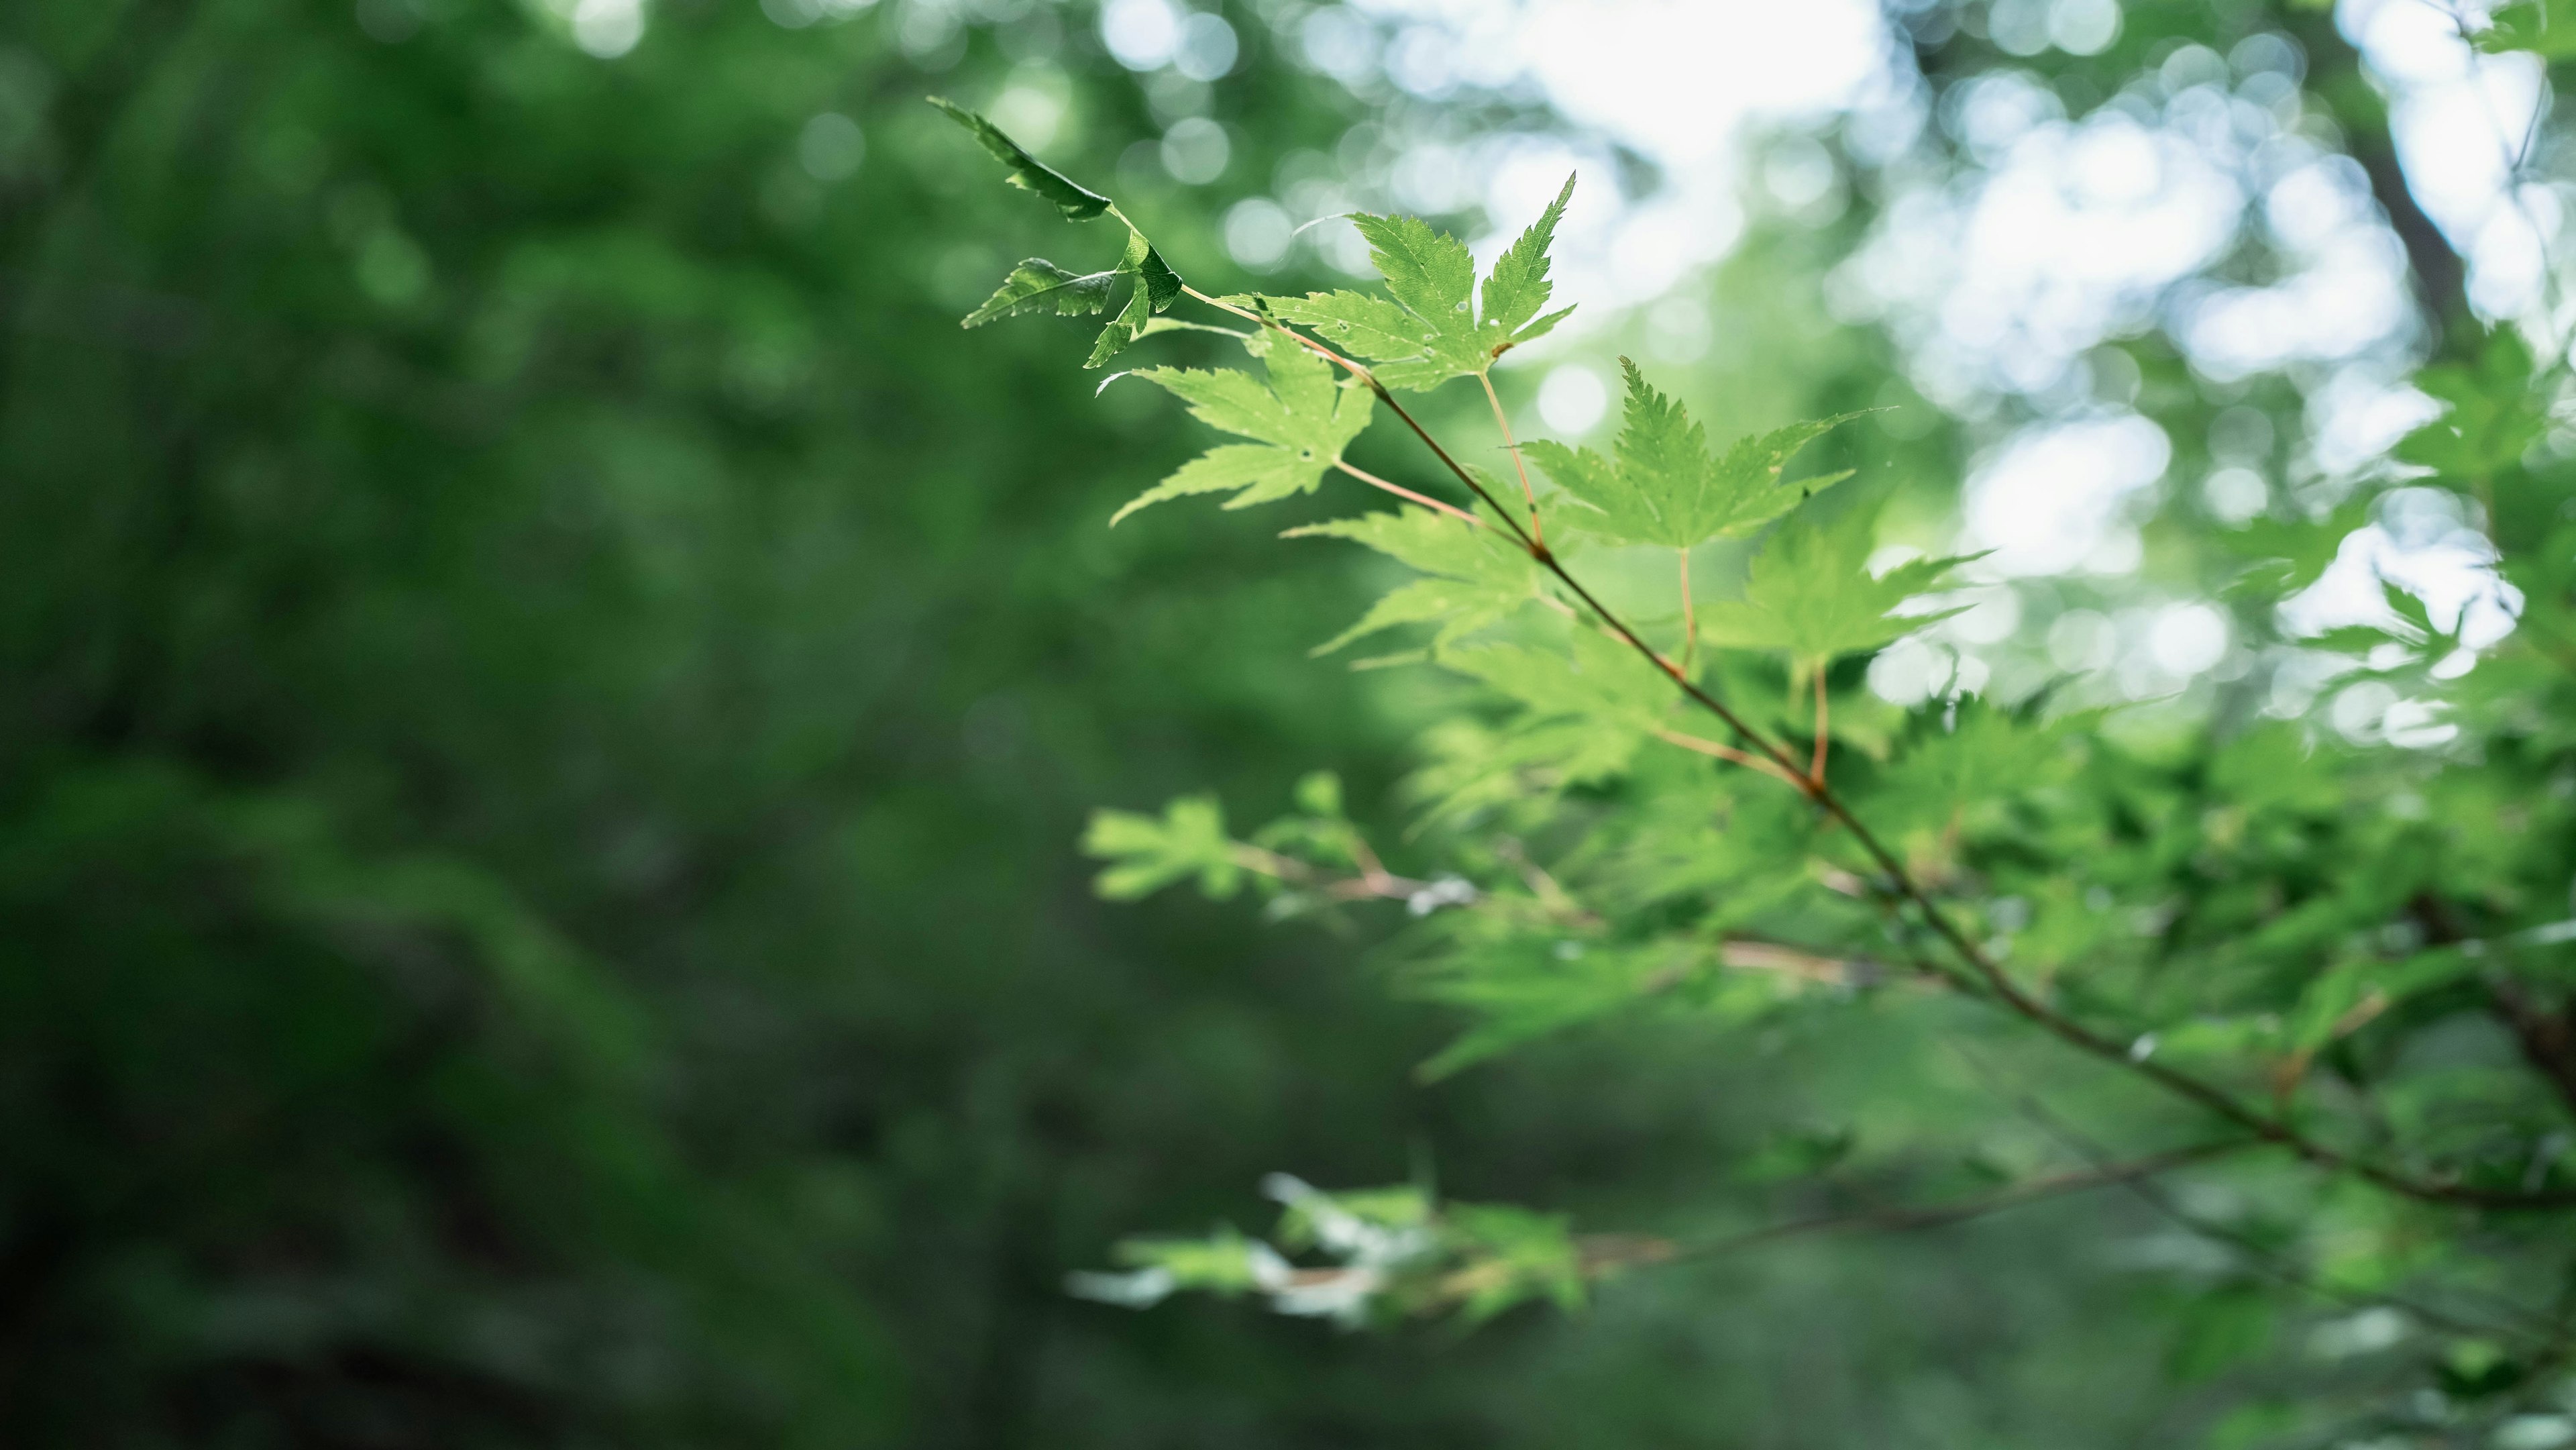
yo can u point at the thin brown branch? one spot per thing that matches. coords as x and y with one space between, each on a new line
2263 1258
1729 754
1749 955
1816 770
1690 620
1528 494
1551 894
1400 491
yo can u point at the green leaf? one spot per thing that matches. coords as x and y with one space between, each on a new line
1527 988
1476 575
1156 287
2304 548
1311 1218
1665 488
1509 1255
1430 333
1404 351
1220 1263
1591 677
2349 993
1078 204
2494 412
2545 26
1430 272
1809 593
1038 285
1301 421
1150 854
1519 288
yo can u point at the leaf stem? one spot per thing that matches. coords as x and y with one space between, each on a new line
1690 621
1400 491
1529 495
1816 771
1728 753
1939 1215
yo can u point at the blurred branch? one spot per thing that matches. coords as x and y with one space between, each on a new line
1906 1217
2337 80
2260 1258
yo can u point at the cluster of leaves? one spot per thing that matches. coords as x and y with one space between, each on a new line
1040 286
2350 947
1387 1253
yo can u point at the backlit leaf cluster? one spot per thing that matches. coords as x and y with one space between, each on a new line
2282 921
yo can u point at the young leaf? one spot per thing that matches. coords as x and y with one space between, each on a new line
1430 332
1475 577
1156 287
1150 854
1038 285
1078 204
1518 287
1809 592
1665 488
1300 423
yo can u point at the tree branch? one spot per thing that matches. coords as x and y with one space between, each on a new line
1909 1217
1982 973
1528 494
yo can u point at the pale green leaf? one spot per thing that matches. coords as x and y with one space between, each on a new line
1525 988
1477 576
1518 288
1255 472
1430 272
1591 677
1430 332
1809 593
1665 488
1149 854
1300 421
1038 285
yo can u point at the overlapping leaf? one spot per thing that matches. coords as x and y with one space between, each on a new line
1300 422
1665 487
1810 593
1592 676
1473 577
1038 285
1157 287
2492 412
1432 331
